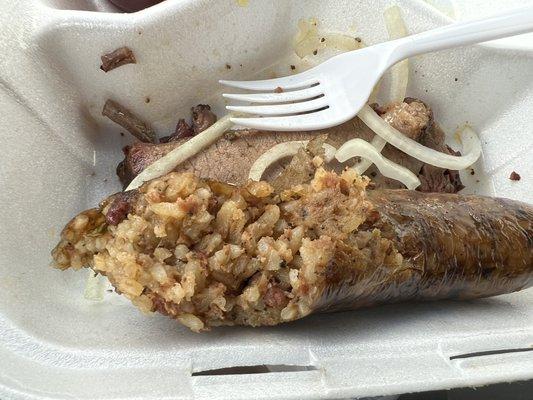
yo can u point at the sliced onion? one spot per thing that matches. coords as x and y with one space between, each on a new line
280 151
399 81
94 287
308 39
395 24
399 75
361 148
340 41
187 150
305 40
400 72
378 143
471 143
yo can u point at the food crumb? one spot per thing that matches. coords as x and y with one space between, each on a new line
278 90
228 66
456 79
472 172
230 136
515 176
105 179
358 39
117 58
129 121
147 100
323 40
315 52
293 67
121 133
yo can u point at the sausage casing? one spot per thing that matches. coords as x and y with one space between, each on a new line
452 246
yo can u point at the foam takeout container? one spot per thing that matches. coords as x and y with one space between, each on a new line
59 154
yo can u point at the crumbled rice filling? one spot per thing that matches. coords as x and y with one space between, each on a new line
210 254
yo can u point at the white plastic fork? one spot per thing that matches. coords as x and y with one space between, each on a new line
334 91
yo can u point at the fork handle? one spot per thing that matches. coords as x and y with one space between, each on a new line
510 23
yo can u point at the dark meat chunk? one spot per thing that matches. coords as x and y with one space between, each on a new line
129 121
183 130
435 179
275 297
117 58
202 118
244 146
514 176
438 180
412 116
140 155
120 207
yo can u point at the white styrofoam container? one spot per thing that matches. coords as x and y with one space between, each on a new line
59 154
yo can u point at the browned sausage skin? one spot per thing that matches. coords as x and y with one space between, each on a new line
209 254
452 246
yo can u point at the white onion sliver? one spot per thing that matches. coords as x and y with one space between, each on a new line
400 72
280 151
399 76
305 40
395 24
94 287
187 150
378 143
471 143
308 39
361 148
340 41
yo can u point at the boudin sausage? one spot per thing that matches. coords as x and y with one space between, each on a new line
208 254
452 246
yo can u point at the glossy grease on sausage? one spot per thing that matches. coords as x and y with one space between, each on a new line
452 246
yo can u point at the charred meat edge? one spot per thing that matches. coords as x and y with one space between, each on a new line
121 56
129 121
